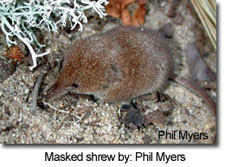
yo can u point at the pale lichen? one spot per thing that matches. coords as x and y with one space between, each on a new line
19 18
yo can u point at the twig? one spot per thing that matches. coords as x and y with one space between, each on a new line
62 111
35 92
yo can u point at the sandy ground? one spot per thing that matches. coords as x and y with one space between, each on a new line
72 120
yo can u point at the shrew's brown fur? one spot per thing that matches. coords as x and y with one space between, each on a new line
120 64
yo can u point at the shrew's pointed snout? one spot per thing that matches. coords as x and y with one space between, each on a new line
53 92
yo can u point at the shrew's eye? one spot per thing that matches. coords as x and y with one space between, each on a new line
75 85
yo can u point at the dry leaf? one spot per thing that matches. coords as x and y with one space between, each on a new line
131 117
15 53
139 14
118 9
114 8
